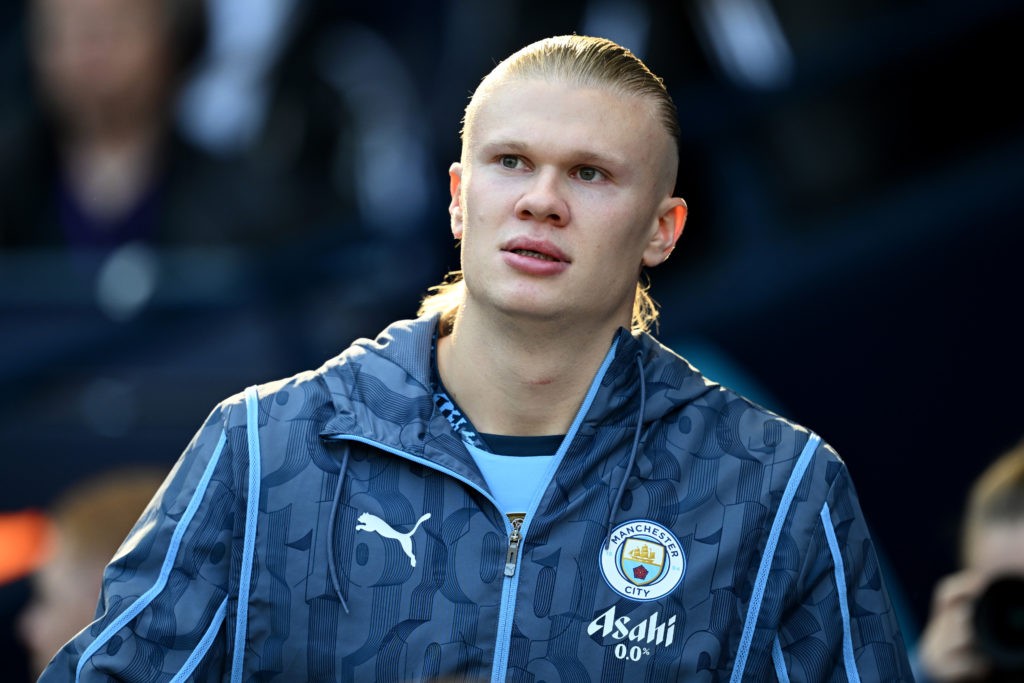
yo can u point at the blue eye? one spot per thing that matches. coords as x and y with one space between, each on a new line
509 161
589 174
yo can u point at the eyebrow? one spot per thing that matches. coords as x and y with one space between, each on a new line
590 156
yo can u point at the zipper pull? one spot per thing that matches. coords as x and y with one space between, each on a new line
513 544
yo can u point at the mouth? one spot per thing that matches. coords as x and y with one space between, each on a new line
534 254
541 250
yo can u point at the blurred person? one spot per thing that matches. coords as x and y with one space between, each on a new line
88 522
96 161
954 647
522 483
23 549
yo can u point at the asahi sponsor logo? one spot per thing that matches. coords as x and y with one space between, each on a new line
633 639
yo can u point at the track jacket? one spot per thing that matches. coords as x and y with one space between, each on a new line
334 527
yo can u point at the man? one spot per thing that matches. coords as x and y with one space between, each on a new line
513 486
95 161
975 632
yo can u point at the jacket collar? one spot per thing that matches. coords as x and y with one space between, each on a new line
383 384
382 389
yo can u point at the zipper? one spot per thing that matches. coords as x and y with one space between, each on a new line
509 589
514 539
511 582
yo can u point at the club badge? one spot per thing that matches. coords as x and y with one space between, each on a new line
644 561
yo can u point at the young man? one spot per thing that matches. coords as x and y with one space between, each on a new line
513 486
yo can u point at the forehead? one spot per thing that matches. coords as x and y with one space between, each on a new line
72 13
998 547
558 114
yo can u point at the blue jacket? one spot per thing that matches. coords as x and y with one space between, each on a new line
333 527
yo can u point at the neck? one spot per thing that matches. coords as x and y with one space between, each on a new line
521 379
109 171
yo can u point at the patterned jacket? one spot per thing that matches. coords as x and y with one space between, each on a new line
333 527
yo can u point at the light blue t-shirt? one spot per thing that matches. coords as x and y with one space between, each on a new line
514 479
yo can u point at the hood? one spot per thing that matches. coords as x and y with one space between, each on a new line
381 390
670 382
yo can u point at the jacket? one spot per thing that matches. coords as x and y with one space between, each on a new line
333 527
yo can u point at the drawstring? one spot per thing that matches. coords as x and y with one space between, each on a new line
331 560
632 452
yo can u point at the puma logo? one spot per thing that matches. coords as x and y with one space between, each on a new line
368 522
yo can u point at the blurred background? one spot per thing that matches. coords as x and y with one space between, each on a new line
198 195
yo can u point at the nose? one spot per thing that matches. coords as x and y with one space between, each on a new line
543 201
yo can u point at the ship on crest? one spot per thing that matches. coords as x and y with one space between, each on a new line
643 554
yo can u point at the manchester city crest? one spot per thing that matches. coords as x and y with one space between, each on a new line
644 560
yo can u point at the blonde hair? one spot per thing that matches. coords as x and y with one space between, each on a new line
95 515
997 497
582 61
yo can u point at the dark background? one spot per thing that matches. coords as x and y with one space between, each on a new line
851 257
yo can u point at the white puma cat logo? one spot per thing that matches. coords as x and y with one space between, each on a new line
368 522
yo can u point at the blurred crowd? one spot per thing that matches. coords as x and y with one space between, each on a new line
197 195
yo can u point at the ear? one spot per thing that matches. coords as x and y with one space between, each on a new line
455 208
671 218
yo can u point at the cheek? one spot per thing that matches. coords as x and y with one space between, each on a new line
481 217
625 242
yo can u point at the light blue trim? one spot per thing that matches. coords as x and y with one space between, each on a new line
252 429
548 474
506 612
595 386
503 641
430 464
780 662
556 461
204 645
165 569
761 582
511 584
840 573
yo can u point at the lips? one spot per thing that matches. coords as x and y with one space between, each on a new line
538 249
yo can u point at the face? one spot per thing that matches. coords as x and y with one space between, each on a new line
64 596
998 548
100 58
562 194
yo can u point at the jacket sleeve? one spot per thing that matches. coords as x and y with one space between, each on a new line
161 614
844 626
